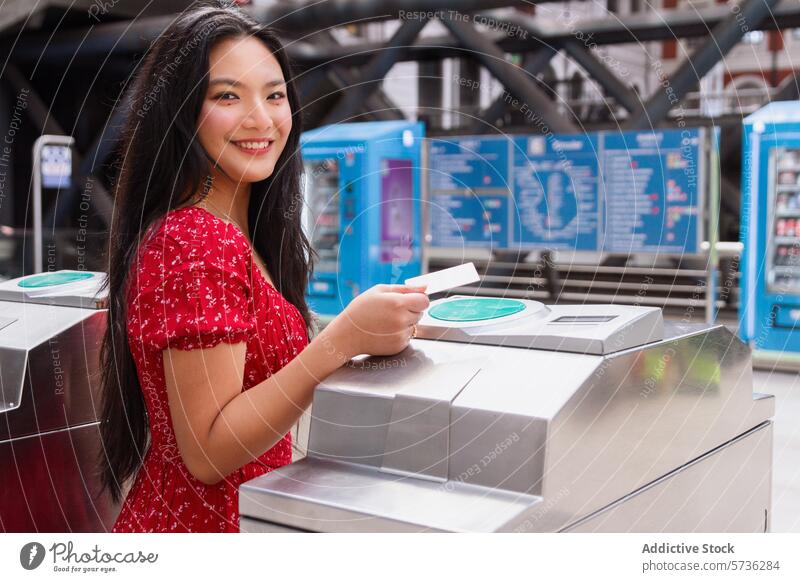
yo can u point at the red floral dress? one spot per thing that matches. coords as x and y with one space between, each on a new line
196 284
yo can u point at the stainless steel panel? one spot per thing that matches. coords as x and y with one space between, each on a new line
564 434
13 363
48 483
497 450
33 328
726 490
60 376
325 496
256 526
353 413
49 407
417 437
349 427
538 327
642 414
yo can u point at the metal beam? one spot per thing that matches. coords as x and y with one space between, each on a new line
315 15
79 45
377 69
102 147
517 82
378 104
790 91
721 40
621 93
533 64
47 125
636 28
647 26
597 31
289 19
38 112
306 80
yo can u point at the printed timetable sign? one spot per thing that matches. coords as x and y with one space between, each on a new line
651 185
470 220
555 191
615 192
469 192
469 164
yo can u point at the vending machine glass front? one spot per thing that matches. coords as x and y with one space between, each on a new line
323 220
783 235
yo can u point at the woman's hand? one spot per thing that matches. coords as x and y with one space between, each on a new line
378 322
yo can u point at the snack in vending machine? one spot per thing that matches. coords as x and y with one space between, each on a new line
780 260
794 256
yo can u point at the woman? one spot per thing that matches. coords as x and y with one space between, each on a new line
206 361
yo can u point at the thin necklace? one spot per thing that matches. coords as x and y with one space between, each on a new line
205 201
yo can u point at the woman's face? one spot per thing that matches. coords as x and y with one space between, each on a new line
246 118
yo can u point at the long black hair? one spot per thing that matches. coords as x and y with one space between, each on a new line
163 166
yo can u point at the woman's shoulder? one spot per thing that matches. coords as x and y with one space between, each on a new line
192 234
192 224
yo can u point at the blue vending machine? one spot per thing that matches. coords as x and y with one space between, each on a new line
769 306
362 207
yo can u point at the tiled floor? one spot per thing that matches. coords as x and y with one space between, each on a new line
786 459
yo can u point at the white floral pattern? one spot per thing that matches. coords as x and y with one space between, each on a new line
195 284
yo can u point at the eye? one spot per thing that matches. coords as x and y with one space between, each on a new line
226 96
277 95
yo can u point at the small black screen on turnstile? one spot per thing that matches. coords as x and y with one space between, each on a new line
584 318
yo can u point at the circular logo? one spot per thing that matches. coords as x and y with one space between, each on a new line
31 555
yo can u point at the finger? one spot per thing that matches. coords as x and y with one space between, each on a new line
415 317
416 302
405 289
413 320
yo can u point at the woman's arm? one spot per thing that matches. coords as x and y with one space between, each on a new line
219 428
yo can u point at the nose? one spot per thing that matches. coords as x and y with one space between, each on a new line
258 117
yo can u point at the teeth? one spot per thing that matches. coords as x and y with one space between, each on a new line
253 145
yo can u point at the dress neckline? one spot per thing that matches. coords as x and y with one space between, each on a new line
246 240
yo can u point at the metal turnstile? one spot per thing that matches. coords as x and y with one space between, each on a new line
508 415
51 326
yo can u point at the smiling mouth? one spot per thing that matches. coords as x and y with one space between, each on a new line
254 146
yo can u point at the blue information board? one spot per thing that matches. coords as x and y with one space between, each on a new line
469 163
469 192
619 192
469 220
555 191
650 186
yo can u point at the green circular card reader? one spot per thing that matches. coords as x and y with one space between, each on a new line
478 309
52 279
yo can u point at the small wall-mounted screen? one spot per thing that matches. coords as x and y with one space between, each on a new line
56 166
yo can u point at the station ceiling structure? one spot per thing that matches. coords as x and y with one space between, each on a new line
49 36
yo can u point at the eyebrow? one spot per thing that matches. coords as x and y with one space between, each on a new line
235 83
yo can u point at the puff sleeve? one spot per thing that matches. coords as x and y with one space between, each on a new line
191 292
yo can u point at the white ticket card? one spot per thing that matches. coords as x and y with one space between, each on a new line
446 278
